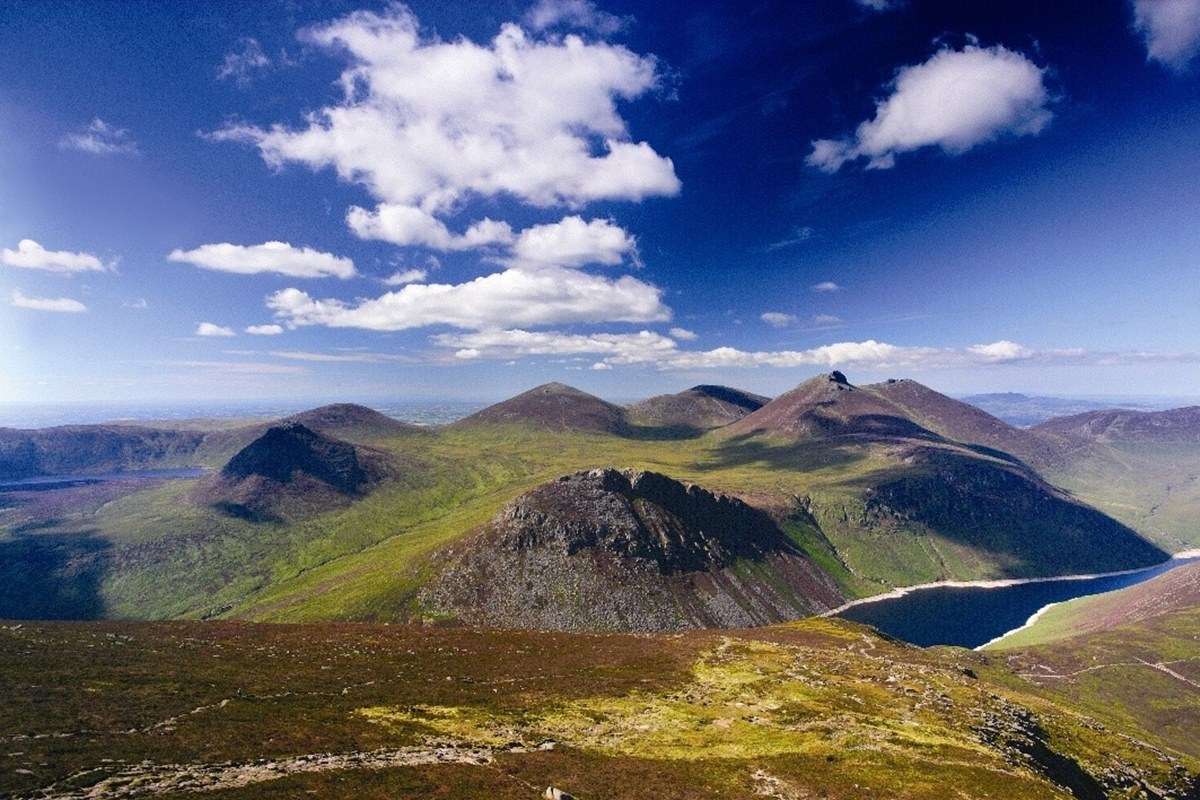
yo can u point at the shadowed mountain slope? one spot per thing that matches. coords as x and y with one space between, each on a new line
554 406
629 550
291 468
74 449
699 408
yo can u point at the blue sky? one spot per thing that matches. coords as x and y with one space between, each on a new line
464 200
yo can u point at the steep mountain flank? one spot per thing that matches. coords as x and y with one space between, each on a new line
554 406
1116 426
291 470
78 449
632 551
962 422
697 409
1024 526
829 405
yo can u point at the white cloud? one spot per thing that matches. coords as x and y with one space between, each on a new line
653 349
513 297
240 65
1170 28
425 124
825 286
955 100
683 334
410 225
401 277
621 348
264 330
879 5
601 365
802 234
571 242
100 139
62 305
211 329
777 319
1002 350
31 255
581 14
825 321
278 257
139 304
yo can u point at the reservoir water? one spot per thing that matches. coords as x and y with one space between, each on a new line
969 616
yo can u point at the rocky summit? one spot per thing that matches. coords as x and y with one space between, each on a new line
609 549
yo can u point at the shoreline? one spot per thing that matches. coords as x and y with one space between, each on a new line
1000 583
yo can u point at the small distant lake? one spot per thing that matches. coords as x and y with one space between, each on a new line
974 615
43 483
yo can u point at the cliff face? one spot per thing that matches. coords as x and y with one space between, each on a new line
626 550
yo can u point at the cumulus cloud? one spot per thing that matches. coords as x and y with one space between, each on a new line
425 124
662 352
401 277
277 257
211 329
242 64
777 319
413 226
825 286
61 305
956 100
100 139
513 297
571 242
1170 28
31 255
264 330
683 334
581 14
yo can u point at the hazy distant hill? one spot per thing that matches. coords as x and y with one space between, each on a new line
1026 410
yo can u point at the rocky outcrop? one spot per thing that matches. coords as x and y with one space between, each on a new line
625 550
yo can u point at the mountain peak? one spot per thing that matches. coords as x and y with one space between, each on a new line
556 406
699 408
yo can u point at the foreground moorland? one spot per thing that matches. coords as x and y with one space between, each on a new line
816 708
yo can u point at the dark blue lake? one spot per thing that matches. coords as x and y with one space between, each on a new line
971 616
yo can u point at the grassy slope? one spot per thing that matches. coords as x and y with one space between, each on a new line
174 558
1153 488
816 708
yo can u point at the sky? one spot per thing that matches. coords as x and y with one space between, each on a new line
344 200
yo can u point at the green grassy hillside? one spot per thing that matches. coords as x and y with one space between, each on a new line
854 505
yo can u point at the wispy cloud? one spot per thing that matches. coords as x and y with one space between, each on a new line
342 358
60 305
825 286
101 139
778 319
802 234
243 63
264 330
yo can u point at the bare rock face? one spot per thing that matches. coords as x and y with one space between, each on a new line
626 550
